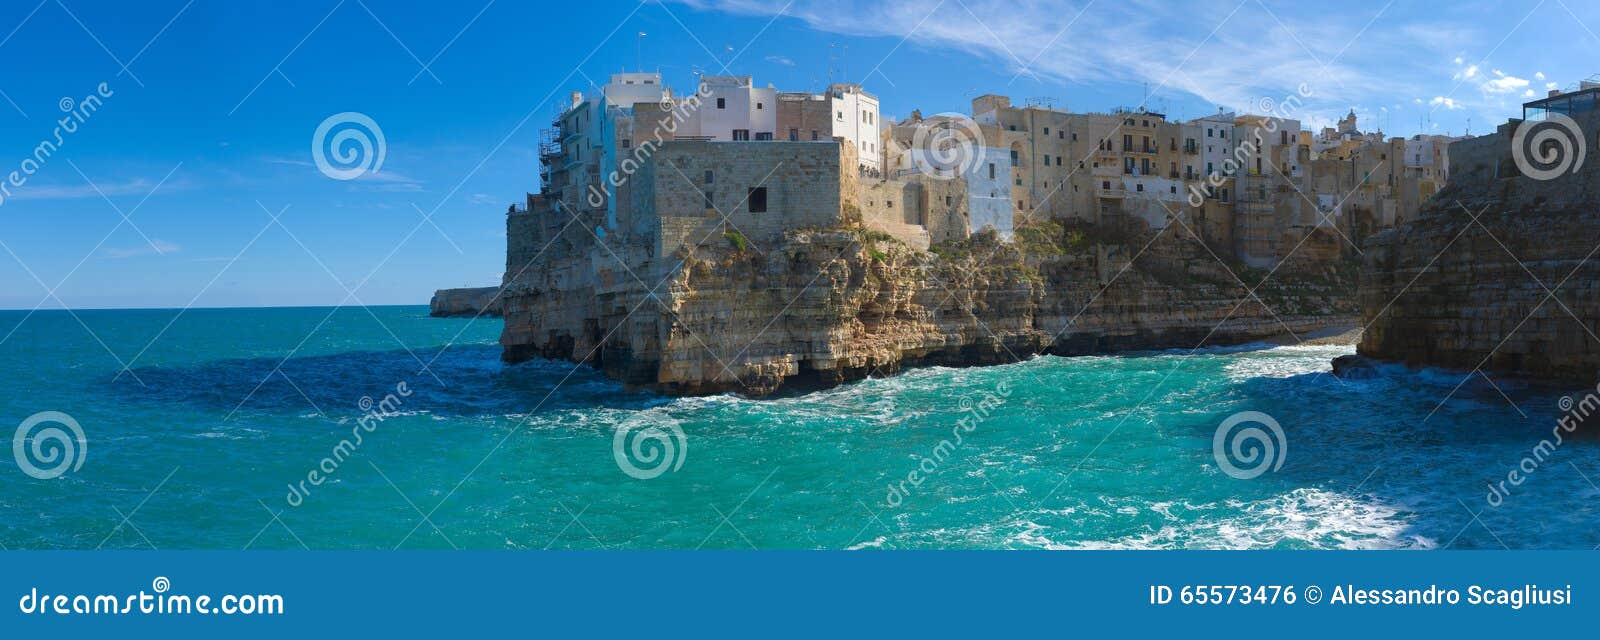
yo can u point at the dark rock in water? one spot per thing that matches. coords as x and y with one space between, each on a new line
1354 367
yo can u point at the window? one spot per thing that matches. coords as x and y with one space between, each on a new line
1014 158
1209 133
626 143
758 200
991 171
1074 137
1019 205
1047 130
888 204
813 135
764 135
741 134
708 177
947 201
709 205
760 106
794 135
839 117
1047 159
1139 187
722 103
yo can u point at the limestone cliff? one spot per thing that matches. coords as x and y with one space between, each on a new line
824 306
1496 273
473 302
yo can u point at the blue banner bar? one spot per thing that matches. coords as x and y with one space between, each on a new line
816 594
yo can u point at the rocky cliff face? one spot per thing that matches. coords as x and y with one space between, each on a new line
1497 273
821 307
471 303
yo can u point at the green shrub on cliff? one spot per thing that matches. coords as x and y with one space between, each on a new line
737 240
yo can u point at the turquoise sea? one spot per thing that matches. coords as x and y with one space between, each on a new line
197 444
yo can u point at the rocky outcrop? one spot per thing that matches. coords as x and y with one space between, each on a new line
824 306
1354 367
1497 273
469 303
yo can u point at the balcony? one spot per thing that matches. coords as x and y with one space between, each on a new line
1115 190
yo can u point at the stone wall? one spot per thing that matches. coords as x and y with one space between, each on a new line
801 182
895 207
1468 284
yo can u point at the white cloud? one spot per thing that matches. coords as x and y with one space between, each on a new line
1447 103
1459 61
780 60
1528 93
156 246
66 192
1538 75
1471 71
1177 56
1551 85
1504 84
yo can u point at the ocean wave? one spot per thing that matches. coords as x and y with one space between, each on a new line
1306 518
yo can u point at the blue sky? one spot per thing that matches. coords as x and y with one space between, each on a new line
206 135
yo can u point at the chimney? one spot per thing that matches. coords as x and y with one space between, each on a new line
577 99
1553 93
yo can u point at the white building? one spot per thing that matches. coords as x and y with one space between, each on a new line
1428 156
613 124
733 109
1216 143
989 192
856 120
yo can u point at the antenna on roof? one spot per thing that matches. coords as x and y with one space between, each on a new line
638 52
834 56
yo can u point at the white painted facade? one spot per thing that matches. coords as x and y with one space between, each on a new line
733 109
855 118
989 193
1153 198
1216 139
1429 156
627 89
